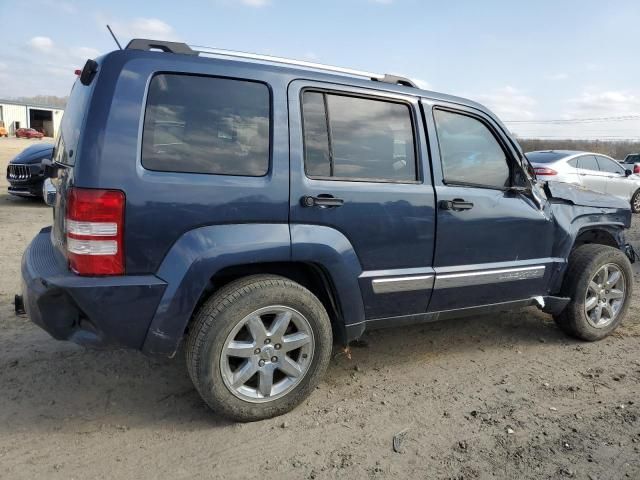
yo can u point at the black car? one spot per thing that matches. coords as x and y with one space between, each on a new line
26 172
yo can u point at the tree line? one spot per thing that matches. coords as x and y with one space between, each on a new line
617 149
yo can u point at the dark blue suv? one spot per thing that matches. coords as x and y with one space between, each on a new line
256 209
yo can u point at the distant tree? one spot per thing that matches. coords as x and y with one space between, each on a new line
51 100
617 149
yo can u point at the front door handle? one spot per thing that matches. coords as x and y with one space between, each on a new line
324 200
457 205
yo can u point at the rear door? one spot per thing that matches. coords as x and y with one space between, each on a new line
590 175
493 245
357 166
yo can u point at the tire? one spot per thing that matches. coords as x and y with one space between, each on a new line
635 202
581 319
229 316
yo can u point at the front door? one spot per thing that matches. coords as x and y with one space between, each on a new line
358 168
618 184
494 243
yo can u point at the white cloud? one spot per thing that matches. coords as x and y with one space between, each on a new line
42 44
151 27
603 103
84 53
423 84
42 66
142 27
255 3
509 103
557 76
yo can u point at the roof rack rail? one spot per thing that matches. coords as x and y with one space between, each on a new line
175 47
167 47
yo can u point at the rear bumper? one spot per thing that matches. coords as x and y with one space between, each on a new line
91 311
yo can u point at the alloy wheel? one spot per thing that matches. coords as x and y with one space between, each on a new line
605 296
267 354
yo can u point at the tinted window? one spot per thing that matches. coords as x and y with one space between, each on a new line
609 166
71 124
588 162
632 158
545 157
573 162
206 125
317 161
357 138
469 151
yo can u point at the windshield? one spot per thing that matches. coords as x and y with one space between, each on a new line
545 157
634 158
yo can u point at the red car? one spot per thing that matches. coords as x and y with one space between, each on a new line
28 133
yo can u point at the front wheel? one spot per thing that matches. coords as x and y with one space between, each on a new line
599 282
258 347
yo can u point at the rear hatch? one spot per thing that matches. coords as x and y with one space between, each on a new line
66 155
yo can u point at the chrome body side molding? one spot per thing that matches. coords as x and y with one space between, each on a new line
402 284
483 277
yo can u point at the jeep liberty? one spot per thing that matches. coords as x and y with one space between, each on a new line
255 210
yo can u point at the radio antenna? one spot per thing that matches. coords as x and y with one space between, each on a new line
114 37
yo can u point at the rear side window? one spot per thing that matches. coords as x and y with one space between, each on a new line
470 153
72 122
588 162
573 162
197 124
355 138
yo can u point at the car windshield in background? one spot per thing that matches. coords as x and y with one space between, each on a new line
632 158
545 157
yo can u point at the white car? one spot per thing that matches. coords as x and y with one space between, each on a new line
591 170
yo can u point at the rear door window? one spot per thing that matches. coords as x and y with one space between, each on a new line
355 138
198 124
588 162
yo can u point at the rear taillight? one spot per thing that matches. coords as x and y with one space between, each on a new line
94 224
544 171
636 169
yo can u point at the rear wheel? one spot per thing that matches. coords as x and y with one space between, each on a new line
635 202
599 282
258 347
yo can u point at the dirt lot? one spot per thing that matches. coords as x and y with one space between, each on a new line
504 396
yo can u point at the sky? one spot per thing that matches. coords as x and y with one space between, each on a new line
563 60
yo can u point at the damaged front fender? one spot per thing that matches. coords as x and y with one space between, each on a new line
583 216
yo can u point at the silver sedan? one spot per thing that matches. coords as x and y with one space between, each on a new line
591 170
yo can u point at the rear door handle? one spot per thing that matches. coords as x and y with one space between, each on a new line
457 205
323 200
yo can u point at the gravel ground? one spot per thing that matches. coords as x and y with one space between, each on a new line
501 396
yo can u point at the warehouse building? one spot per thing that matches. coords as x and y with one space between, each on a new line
44 118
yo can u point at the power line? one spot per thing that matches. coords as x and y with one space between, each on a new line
620 118
565 137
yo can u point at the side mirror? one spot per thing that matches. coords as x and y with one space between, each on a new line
50 168
628 172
